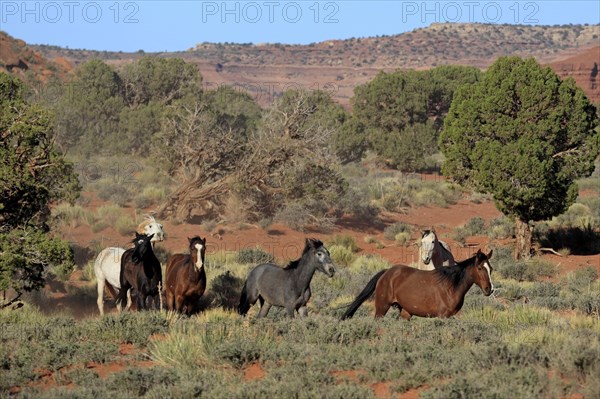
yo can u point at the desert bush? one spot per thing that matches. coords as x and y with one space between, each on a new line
402 238
253 256
299 217
343 241
224 291
530 270
124 225
475 226
341 255
501 227
72 215
370 239
88 273
116 192
99 226
369 264
392 230
109 213
142 202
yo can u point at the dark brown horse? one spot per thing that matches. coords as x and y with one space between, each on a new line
186 278
140 270
435 293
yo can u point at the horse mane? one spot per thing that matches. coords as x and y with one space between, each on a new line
147 220
194 240
455 274
136 249
311 243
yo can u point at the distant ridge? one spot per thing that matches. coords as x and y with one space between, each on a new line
339 65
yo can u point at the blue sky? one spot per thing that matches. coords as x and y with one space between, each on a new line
178 25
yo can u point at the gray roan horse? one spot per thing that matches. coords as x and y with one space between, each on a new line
434 253
287 287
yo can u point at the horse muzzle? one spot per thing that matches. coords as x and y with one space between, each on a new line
330 270
427 260
488 291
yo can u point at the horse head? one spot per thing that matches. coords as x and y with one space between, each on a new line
151 226
428 240
321 256
197 251
142 242
483 272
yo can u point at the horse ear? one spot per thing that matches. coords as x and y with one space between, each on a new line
190 240
490 254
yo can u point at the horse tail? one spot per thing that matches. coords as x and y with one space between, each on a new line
121 297
244 305
363 296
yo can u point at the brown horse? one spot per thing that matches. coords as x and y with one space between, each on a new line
186 278
435 293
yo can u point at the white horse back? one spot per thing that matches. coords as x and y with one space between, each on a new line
108 265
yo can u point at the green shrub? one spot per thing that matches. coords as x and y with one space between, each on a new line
402 238
391 231
109 213
369 264
253 256
344 241
501 227
475 226
341 255
116 192
124 225
72 215
530 270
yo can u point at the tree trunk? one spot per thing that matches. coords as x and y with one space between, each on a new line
524 234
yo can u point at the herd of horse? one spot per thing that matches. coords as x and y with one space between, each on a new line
436 288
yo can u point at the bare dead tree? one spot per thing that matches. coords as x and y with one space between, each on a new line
214 161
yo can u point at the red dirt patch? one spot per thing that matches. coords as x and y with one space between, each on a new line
381 390
253 372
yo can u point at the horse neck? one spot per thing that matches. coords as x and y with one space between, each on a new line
150 261
304 272
466 283
437 258
194 274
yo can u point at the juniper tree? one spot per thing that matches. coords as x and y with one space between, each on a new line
523 135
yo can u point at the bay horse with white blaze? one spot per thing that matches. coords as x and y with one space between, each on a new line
140 270
185 277
436 293
287 287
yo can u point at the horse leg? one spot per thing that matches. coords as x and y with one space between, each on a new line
179 302
264 307
291 310
170 300
404 314
302 311
129 301
381 306
100 300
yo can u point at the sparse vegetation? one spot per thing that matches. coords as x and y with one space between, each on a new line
393 230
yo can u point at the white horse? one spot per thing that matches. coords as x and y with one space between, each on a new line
107 266
434 253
